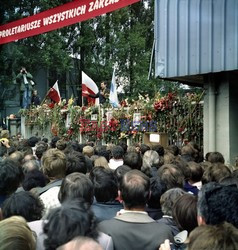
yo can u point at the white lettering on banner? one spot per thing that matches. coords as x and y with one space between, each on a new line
21 28
98 4
59 17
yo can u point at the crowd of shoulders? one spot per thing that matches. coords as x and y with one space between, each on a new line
61 194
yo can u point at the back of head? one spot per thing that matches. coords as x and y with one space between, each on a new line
53 141
185 212
173 149
123 145
196 171
41 147
169 198
76 186
218 203
171 175
157 188
117 152
24 204
144 148
34 178
15 234
32 141
216 157
135 189
159 149
61 144
133 160
105 185
218 237
88 150
75 162
11 176
17 156
30 165
101 162
119 173
215 172
150 159
54 163
72 219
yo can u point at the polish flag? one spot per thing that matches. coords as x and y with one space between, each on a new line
54 93
91 87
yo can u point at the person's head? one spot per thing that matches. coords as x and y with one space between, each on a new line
105 185
215 172
11 176
73 218
61 144
81 243
144 148
217 203
133 160
171 175
103 85
159 149
169 198
123 145
32 141
34 93
185 212
117 152
24 204
105 153
30 165
135 189
101 162
54 164
15 234
53 141
17 156
216 157
217 237
157 188
76 186
40 150
34 178
88 151
173 149
119 173
150 159
196 171
75 162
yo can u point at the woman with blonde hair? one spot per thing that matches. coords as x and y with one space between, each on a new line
101 162
15 234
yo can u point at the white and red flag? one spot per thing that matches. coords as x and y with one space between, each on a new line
54 93
89 87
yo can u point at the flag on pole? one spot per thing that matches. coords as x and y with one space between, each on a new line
113 98
54 93
88 85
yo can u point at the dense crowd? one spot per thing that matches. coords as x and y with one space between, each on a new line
64 195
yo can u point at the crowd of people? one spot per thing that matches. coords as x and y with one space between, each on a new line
64 195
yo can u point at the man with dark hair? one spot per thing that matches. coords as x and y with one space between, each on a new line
11 176
76 186
132 228
157 188
159 149
144 148
24 204
133 160
119 173
217 204
75 162
117 157
105 191
216 157
171 175
123 145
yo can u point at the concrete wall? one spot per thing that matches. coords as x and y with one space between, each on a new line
221 116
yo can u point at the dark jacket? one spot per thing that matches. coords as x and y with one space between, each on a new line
102 98
171 223
106 210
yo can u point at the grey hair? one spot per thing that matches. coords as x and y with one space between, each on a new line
169 198
150 159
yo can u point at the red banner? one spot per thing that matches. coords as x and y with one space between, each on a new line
61 16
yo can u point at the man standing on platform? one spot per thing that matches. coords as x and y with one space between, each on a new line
24 79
